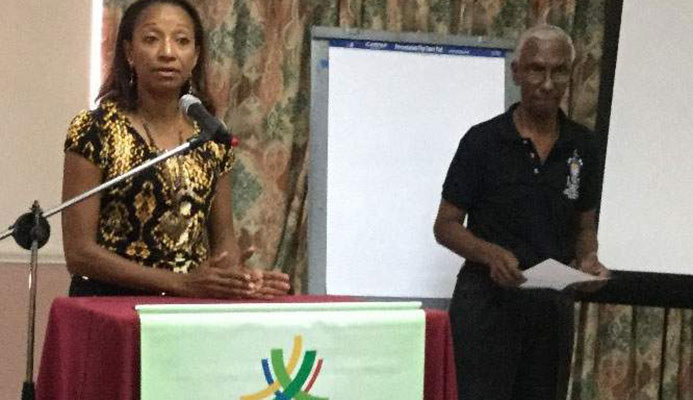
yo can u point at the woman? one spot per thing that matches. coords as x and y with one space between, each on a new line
170 228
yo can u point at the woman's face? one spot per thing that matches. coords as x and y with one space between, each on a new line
163 51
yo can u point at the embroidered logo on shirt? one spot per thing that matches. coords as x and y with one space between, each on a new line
572 186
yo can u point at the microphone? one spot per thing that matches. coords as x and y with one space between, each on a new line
210 127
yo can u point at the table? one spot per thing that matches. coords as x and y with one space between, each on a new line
91 348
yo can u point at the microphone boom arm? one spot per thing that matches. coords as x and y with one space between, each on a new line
169 153
31 231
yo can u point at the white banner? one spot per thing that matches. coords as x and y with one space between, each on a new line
282 351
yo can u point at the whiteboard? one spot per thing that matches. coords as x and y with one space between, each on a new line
646 218
393 114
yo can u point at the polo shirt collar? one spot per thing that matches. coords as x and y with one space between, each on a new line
565 135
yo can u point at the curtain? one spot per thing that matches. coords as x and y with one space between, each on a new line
259 80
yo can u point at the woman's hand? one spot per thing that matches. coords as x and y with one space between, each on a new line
274 284
211 279
268 284
220 278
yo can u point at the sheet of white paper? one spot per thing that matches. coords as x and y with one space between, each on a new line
551 274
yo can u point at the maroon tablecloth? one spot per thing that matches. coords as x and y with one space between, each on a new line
91 349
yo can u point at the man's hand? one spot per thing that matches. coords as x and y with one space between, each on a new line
590 264
503 266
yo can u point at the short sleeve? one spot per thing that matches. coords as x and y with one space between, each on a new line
226 155
83 138
591 177
462 182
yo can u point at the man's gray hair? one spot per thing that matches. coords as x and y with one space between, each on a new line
543 32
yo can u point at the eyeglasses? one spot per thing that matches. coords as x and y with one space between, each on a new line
537 75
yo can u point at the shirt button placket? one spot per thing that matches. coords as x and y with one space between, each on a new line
532 156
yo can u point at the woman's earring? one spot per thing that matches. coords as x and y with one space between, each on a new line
190 87
132 77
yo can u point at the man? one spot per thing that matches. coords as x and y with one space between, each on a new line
527 182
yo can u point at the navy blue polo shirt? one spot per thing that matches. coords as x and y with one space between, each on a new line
514 200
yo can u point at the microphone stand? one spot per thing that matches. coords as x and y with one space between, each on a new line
31 231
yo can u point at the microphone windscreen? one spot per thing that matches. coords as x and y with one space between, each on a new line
186 101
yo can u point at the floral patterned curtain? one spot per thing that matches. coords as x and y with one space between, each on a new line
259 80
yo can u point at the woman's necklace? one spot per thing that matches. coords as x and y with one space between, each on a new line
175 222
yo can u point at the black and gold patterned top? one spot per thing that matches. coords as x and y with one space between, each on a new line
159 217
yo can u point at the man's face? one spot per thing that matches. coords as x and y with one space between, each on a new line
543 73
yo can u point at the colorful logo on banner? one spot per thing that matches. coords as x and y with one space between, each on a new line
280 384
